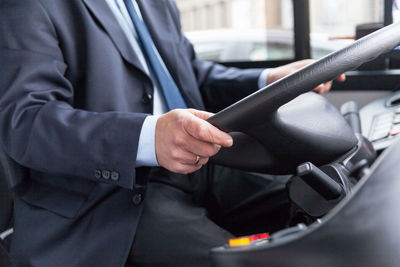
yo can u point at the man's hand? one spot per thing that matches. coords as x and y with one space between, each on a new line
280 72
185 141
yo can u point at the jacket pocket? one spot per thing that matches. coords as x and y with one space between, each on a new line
61 202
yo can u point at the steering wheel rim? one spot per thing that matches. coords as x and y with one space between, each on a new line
243 114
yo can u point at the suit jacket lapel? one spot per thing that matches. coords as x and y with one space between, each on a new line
160 27
161 30
102 12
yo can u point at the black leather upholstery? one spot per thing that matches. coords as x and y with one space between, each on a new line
5 196
9 171
8 168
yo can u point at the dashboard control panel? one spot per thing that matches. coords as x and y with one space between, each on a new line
380 121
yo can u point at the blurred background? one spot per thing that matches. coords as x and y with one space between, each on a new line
260 30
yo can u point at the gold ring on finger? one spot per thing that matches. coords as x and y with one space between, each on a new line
197 160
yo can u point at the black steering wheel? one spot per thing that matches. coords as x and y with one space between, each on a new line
279 127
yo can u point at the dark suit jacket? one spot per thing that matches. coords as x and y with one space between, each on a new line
73 100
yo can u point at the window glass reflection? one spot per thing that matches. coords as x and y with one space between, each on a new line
239 30
333 23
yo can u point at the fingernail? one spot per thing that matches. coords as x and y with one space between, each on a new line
228 142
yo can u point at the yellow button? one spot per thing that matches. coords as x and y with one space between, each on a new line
242 241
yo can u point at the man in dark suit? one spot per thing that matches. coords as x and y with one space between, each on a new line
84 110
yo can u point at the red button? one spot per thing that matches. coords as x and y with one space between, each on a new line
259 237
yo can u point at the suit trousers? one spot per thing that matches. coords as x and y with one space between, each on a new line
184 216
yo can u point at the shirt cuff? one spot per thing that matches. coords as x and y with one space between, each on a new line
146 153
262 80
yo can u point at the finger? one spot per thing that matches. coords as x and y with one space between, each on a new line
327 86
341 78
204 131
200 148
323 88
184 157
204 115
186 142
320 89
202 161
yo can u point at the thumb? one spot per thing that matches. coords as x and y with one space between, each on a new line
204 115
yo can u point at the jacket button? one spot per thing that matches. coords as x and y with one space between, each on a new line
137 199
147 97
114 176
97 174
106 174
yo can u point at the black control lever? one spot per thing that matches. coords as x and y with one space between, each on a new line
351 113
319 181
366 154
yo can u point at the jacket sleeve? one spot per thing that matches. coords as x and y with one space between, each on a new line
220 85
39 126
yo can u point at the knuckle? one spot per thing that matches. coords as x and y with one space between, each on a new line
217 148
210 151
179 117
175 112
203 131
180 122
175 155
178 140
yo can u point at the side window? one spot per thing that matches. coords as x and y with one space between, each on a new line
263 30
333 23
239 30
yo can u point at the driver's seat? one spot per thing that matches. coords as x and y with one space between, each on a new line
9 170
6 201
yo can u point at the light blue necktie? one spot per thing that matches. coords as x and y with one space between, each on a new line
170 91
